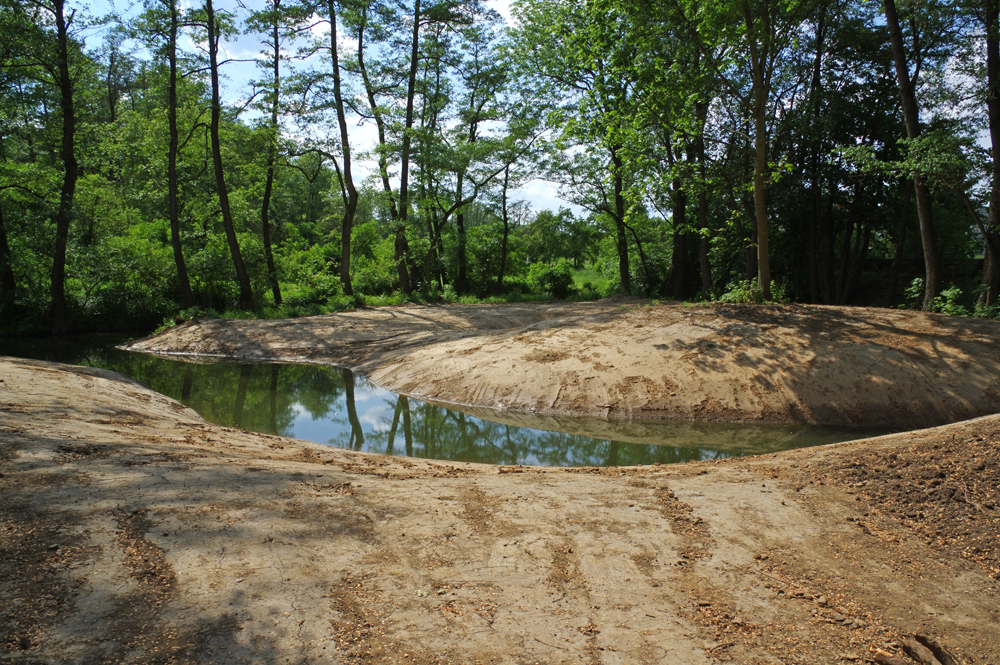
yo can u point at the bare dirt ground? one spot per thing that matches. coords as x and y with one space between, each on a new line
131 531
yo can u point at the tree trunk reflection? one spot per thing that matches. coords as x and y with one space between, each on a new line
241 395
357 434
404 401
273 399
392 428
186 386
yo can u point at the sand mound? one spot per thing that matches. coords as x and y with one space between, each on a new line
131 531
626 358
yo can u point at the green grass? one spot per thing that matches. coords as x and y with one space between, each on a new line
589 284
588 275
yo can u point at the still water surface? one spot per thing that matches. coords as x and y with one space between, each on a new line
333 406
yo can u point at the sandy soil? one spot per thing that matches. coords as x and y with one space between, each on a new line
131 531
624 358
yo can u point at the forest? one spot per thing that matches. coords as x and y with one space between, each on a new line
818 151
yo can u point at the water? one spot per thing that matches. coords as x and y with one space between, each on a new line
332 406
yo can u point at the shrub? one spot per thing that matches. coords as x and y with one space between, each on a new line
747 291
554 279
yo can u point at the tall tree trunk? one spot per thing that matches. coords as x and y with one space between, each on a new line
897 258
750 252
624 274
246 295
8 285
505 217
383 162
404 167
911 116
642 255
173 187
676 282
814 172
463 260
64 214
760 196
272 156
991 267
761 90
699 146
351 202
462 285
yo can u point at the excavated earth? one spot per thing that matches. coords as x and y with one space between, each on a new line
132 531
623 357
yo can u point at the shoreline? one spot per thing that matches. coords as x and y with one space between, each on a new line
134 531
723 363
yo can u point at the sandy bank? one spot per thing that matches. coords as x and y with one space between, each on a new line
624 358
133 532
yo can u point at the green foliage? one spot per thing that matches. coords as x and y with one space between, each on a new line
589 283
555 279
308 276
373 267
913 294
948 302
987 311
951 300
577 93
747 291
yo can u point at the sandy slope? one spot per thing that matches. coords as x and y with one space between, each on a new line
623 358
133 532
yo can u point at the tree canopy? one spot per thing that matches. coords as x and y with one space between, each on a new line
825 151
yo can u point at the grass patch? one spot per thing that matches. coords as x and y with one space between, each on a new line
588 279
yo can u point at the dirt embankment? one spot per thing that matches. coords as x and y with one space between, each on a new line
134 532
131 531
625 358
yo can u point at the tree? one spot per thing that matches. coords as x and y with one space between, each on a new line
213 26
49 53
768 30
557 45
987 13
163 19
911 115
349 191
279 23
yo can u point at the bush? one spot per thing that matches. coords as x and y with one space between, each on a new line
516 285
556 279
948 301
748 292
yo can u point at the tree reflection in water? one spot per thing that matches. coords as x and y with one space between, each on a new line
331 405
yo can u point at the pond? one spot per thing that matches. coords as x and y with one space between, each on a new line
333 406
